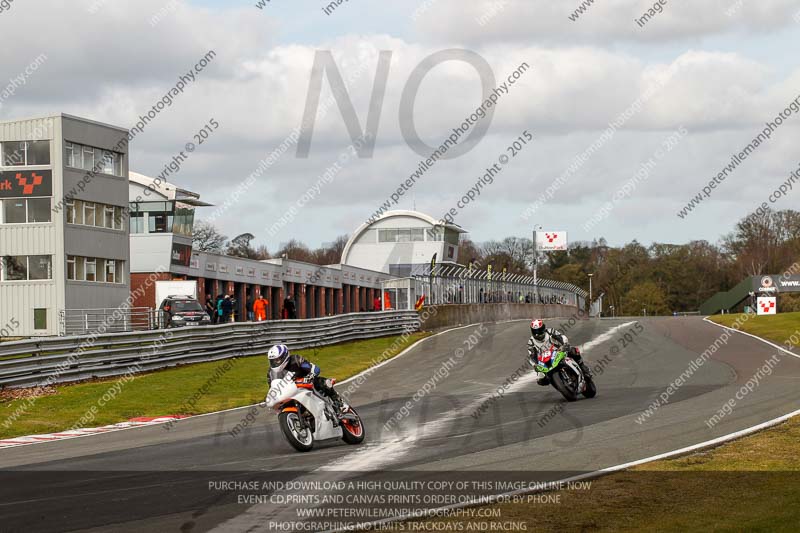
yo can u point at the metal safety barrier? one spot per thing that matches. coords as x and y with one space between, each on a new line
110 320
50 360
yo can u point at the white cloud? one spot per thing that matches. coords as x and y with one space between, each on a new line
113 65
604 21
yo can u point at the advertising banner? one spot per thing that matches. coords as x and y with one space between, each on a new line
551 241
181 254
776 284
26 183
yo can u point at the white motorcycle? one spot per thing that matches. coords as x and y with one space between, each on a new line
306 416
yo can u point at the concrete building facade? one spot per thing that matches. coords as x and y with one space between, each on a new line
63 233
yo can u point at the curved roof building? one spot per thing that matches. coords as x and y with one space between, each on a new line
399 241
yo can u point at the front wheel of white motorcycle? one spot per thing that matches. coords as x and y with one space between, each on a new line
300 438
352 428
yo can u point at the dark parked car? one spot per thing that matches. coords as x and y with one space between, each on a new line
178 311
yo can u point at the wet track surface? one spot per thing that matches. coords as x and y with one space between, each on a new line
157 479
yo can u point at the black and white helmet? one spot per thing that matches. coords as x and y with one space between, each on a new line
278 357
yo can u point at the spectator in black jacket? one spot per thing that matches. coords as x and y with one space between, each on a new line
291 310
210 308
227 309
250 314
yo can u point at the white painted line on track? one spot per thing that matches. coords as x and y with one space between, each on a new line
765 341
376 455
604 471
531 376
488 500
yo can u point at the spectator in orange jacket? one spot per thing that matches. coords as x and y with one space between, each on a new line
260 307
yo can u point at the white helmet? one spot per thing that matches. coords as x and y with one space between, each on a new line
278 357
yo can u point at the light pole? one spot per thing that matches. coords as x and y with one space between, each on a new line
590 295
535 264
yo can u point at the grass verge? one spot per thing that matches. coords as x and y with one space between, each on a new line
777 328
167 392
752 484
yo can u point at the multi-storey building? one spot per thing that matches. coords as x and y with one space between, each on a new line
63 229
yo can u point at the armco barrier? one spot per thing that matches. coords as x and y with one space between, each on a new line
455 315
64 359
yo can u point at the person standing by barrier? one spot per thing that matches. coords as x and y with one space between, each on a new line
210 310
226 307
218 308
387 300
376 304
291 310
250 310
260 307
236 315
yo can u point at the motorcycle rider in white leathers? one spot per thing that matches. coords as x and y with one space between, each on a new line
281 362
542 338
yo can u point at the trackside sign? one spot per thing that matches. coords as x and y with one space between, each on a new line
26 183
776 284
551 241
767 305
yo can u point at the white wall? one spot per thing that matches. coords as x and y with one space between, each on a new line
150 252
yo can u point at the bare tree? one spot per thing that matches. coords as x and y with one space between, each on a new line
296 250
240 246
262 253
763 243
206 238
469 252
514 253
331 253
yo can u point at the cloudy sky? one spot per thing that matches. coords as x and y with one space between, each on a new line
712 70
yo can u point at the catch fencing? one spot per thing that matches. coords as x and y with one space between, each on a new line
50 360
455 284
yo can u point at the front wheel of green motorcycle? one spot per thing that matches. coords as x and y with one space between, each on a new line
564 384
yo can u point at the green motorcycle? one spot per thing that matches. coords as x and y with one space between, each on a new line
565 374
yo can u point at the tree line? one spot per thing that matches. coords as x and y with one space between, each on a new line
661 278
207 238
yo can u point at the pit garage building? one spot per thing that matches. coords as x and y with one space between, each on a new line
162 217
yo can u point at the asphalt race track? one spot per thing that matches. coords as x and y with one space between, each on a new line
154 479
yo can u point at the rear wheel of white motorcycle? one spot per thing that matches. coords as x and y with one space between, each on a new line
353 430
564 387
301 439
